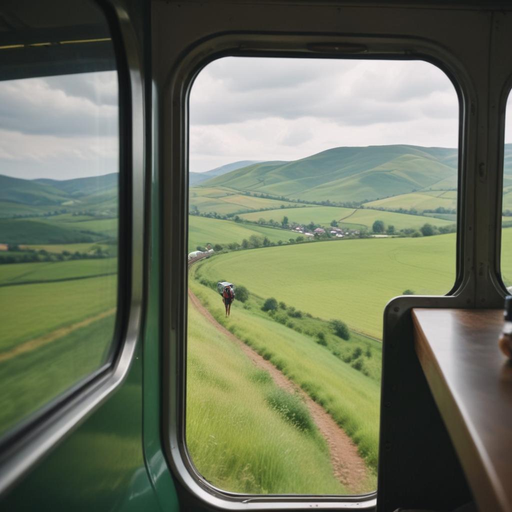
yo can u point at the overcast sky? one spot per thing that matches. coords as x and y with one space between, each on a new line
241 109
285 109
59 127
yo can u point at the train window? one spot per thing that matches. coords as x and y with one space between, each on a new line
59 202
506 237
318 191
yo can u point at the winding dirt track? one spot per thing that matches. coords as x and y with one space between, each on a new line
348 467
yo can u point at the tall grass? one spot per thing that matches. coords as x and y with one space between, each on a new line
243 433
351 398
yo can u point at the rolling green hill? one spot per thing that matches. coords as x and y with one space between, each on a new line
194 178
348 173
25 231
29 192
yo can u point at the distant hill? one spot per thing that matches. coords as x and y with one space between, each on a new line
349 173
80 187
32 197
195 178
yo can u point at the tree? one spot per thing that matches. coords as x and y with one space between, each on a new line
427 229
334 223
245 244
320 336
378 226
242 293
340 329
285 222
217 247
390 230
270 304
408 292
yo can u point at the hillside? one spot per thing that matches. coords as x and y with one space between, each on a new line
96 194
354 174
195 178
348 173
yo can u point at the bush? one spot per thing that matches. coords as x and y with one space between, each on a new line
242 293
378 226
282 305
340 329
320 337
408 292
291 408
270 304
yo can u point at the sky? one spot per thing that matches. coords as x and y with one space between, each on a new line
286 109
240 109
59 127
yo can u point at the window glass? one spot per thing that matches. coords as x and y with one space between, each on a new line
59 201
319 190
506 238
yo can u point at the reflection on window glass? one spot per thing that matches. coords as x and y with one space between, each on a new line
506 234
319 190
58 233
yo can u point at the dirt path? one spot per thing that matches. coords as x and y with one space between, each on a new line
51 336
348 467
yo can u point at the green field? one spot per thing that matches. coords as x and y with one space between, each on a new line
72 248
53 271
419 201
106 227
236 439
351 280
32 310
66 361
203 230
346 217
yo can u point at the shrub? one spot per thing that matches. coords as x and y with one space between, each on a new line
378 226
408 292
270 304
282 305
340 329
320 337
291 408
242 293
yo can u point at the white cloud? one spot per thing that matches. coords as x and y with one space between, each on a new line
266 109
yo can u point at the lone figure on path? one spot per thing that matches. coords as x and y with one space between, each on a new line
228 295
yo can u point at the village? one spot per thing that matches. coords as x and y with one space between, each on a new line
333 231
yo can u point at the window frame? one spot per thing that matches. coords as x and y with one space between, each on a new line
33 437
176 101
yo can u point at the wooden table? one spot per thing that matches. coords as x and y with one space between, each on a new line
472 385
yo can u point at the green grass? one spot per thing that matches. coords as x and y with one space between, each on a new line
203 230
351 398
347 217
244 434
29 311
419 201
33 379
108 227
223 202
53 271
351 280
28 231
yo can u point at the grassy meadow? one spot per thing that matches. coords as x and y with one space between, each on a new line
203 230
419 201
243 433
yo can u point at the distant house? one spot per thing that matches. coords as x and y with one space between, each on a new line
309 234
319 231
339 235
4 247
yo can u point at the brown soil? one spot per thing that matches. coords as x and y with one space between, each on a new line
51 336
348 466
